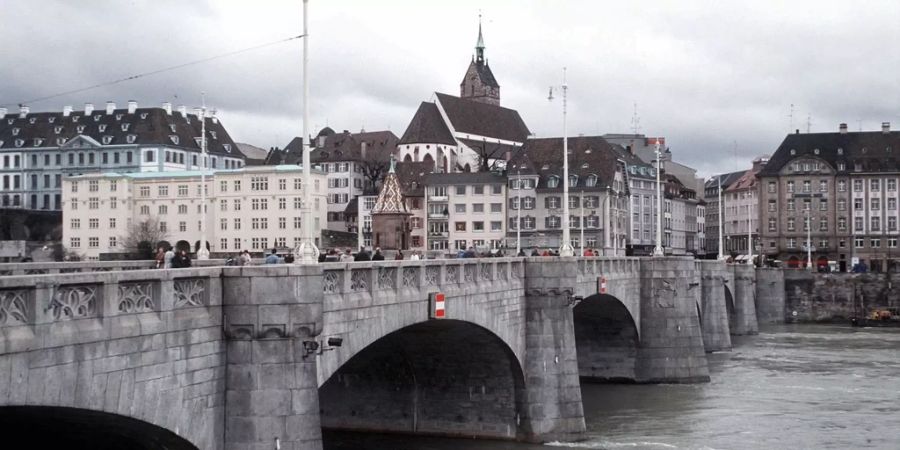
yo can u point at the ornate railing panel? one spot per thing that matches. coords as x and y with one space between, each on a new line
136 297
74 302
13 307
190 292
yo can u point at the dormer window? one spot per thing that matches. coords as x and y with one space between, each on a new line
80 129
97 118
125 126
172 127
51 119
60 141
107 139
102 127
573 180
816 151
584 166
118 117
212 134
32 120
9 121
57 129
131 138
553 181
75 118
545 167
143 116
174 138
793 152
199 141
38 142
227 147
840 151
591 180
19 142
15 131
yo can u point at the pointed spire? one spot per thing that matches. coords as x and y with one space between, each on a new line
479 46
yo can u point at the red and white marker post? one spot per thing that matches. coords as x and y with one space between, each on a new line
601 285
436 303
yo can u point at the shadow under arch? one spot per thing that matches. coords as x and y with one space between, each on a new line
606 340
729 308
440 377
74 428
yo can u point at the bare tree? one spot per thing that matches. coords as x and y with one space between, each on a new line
374 167
486 153
141 238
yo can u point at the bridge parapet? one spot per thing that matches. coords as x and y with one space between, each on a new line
44 268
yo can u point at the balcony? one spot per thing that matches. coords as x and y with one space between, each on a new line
440 216
439 234
437 198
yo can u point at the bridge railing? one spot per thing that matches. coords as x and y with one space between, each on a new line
44 268
398 276
85 307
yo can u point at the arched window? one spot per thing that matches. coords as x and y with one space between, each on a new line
553 181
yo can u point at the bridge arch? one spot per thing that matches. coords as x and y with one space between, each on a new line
440 377
606 339
75 428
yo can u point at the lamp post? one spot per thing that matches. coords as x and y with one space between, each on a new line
808 242
606 224
203 252
565 248
306 252
658 249
581 222
359 222
518 211
721 230
750 232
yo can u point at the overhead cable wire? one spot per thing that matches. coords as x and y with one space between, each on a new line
154 72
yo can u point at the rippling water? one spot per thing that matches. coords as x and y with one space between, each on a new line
790 387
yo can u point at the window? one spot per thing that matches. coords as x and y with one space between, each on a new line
875 243
772 224
182 226
163 226
478 226
552 202
478 189
553 181
790 186
163 191
496 207
876 204
552 222
790 204
113 242
223 186
857 185
573 180
892 223
842 204
842 224
237 185
259 183
182 190
857 204
112 223
573 202
823 185
148 156
892 242
772 206
892 203
806 204
592 222
478 207
806 186
823 244
823 204
113 203
75 242
182 209
496 189
792 243
93 203
593 201
460 207
459 226
876 223
858 243
528 223
75 224
892 185
771 187
791 224
858 224
875 185
823 224
460 190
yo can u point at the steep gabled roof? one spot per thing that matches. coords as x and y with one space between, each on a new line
427 126
390 199
588 155
873 150
484 74
148 126
477 118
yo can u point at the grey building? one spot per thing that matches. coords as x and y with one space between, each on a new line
711 197
38 149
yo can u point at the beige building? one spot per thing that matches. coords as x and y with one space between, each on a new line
465 210
741 214
253 208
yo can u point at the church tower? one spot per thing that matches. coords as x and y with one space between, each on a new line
479 83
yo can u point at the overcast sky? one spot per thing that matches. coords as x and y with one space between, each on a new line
716 78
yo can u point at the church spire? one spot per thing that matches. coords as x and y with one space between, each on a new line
479 47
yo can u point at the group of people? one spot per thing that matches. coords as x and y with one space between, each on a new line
169 258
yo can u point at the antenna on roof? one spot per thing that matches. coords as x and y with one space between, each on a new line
635 121
791 119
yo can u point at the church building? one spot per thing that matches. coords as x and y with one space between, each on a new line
468 133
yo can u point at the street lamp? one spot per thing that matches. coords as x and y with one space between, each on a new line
721 230
203 252
606 224
581 222
565 249
658 249
306 252
518 210
749 231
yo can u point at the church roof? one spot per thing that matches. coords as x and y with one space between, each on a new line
427 126
477 118
484 74
390 199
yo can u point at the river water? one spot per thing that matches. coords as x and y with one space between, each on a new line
790 387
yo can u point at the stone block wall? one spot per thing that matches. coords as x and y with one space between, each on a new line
142 344
671 338
835 297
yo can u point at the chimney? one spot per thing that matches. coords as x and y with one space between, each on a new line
67 110
362 150
182 110
132 106
843 128
23 111
3 112
110 107
212 115
886 127
168 107
88 109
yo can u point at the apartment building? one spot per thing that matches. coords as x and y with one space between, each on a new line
711 219
742 212
252 208
833 195
37 150
465 209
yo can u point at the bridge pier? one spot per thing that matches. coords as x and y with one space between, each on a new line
271 392
671 349
743 320
553 408
713 309
770 295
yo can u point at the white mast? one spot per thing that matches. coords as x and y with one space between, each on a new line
306 252
203 252
721 231
518 209
565 249
658 249
581 222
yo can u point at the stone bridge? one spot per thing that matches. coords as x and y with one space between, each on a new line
264 357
